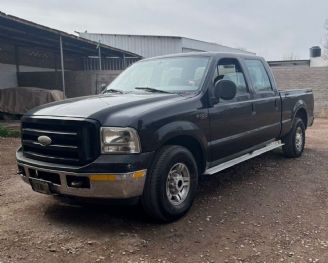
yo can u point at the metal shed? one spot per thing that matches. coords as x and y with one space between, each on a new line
29 47
151 45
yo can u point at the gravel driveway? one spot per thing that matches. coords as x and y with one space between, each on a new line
269 209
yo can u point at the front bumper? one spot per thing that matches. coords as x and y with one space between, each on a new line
124 181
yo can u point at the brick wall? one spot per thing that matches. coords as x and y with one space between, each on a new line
306 77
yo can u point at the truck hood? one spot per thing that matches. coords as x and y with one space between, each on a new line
101 107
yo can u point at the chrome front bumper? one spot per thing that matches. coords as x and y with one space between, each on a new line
101 185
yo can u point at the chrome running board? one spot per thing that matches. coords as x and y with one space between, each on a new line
245 157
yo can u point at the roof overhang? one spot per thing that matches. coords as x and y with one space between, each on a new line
26 33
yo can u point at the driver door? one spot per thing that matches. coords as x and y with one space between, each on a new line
230 120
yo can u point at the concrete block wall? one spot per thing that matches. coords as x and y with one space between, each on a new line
45 80
306 77
83 83
78 83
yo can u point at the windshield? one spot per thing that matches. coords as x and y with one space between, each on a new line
171 75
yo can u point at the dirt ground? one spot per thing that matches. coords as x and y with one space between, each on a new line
269 209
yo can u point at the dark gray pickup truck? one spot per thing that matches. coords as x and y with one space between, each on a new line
158 127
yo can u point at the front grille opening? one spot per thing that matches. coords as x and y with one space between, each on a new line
73 142
78 181
21 170
57 139
47 176
53 125
32 173
59 154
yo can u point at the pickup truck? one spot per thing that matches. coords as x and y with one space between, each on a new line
158 127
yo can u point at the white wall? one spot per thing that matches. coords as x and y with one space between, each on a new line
151 46
318 62
145 46
194 44
8 77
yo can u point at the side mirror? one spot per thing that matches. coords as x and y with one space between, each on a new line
225 89
103 86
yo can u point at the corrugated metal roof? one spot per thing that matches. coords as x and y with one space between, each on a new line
153 45
145 46
29 33
195 44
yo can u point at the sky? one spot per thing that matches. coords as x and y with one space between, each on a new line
274 29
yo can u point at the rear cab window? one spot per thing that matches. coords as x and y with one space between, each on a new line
259 76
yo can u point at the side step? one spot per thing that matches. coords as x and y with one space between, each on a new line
245 157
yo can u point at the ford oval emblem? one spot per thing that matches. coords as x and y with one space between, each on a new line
44 140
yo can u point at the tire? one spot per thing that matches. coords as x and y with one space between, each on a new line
294 141
167 181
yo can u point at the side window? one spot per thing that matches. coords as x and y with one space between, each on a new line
230 69
259 76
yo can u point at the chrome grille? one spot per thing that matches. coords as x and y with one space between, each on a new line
73 141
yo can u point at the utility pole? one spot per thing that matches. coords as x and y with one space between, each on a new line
99 55
62 65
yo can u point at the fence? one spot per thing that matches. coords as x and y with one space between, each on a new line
108 63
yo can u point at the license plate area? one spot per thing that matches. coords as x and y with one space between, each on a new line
40 186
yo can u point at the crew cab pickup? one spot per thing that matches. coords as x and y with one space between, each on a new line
158 127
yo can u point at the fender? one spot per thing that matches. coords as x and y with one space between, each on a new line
300 104
174 129
287 125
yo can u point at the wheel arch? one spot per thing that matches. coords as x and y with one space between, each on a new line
300 110
184 133
302 114
193 145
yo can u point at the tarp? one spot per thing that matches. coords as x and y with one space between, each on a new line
19 100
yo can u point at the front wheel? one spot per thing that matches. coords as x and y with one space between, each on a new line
294 142
171 184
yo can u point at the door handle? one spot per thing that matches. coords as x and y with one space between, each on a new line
276 104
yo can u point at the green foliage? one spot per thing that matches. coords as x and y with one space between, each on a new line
5 132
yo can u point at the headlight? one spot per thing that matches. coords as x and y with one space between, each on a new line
119 140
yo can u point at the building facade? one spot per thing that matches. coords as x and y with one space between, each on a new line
152 46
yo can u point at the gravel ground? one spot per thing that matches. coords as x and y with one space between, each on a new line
269 209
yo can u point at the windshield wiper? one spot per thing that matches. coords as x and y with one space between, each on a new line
153 90
113 91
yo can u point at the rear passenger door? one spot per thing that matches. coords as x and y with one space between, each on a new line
266 106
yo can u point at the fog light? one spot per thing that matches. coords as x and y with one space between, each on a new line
77 181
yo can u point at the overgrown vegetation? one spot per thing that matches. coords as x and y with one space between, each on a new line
5 132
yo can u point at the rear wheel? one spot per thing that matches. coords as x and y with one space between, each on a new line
294 142
171 184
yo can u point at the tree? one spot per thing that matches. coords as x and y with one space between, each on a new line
290 56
